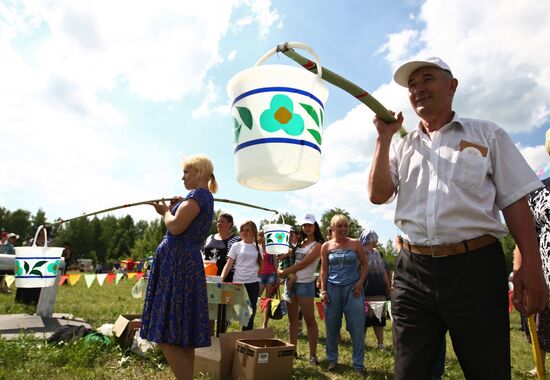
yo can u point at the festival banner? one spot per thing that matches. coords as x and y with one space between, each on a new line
139 275
118 277
110 278
101 278
9 279
73 279
130 275
62 279
89 279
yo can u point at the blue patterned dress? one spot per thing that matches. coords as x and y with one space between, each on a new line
176 304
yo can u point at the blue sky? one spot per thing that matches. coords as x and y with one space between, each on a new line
100 100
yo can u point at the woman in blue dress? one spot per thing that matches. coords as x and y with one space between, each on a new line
175 313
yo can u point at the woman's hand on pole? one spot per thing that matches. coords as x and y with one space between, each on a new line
160 207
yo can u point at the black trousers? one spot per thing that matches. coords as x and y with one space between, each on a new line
253 289
465 295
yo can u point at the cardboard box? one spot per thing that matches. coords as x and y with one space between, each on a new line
263 359
125 327
217 360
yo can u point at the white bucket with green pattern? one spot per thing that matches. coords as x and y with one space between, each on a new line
278 114
37 267
276 238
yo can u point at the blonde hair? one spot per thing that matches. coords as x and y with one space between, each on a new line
204 166
337 219
547 141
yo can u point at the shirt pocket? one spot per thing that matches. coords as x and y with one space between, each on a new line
469 170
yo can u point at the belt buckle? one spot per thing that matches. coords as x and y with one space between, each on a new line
433 253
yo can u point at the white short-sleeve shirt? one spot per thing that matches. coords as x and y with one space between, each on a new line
246 262
451 187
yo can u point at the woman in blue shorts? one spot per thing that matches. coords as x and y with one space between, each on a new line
303 292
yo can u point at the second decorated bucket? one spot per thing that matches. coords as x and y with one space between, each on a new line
37 267
278 114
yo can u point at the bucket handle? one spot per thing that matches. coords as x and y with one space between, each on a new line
293 45
40 227
275 217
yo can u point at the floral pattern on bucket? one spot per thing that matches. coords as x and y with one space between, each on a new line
277 238
37 269
280 115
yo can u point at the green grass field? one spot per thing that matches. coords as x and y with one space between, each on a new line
29 358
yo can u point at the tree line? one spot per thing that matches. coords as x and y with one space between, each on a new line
109 239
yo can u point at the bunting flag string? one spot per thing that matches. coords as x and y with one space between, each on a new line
73 279
101 278
62 279
89 278
9 279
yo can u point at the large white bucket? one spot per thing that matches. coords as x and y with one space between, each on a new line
36 267
276 238
278 114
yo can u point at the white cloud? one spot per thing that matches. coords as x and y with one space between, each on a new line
537 158
231 56
70 147
208 105
496 53
262 14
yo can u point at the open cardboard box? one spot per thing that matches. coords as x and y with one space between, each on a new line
125 327
266 359
217 360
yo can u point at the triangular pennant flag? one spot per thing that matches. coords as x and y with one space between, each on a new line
118 277
101 278
131 275
139 288
62 279
9 279
73 278
89 279
139 275
110 278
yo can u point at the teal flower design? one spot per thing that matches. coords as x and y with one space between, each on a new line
52 268
18 268
281 115
280 237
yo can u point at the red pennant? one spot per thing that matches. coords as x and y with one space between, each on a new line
320 309
111 277
139 275
510 299
62 279
263 303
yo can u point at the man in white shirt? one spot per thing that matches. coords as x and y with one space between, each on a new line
451 176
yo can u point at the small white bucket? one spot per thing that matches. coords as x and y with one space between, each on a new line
276 238
278 114
36 267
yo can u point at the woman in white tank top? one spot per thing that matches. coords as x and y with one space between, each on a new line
303 293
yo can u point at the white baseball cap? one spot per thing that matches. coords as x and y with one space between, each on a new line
12 235
403 73
308 219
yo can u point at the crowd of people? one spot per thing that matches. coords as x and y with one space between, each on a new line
451 177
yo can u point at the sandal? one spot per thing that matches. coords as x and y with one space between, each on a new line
331 366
